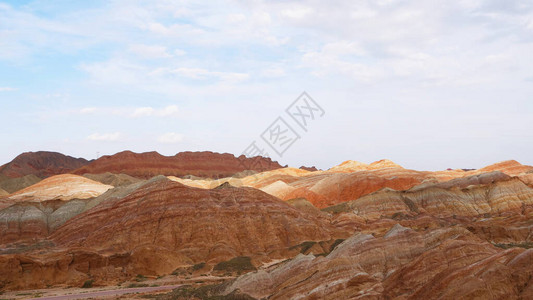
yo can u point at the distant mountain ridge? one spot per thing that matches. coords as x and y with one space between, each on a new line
41 164
203 164
145 165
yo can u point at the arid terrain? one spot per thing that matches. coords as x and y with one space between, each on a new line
203 225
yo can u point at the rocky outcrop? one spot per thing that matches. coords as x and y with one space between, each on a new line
42 164
404 264
527 179
73 267
203 164
310 169
508 230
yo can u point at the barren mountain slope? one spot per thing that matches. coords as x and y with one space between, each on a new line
445 263
203 164
42 164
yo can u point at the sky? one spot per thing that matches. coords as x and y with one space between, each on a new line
428 84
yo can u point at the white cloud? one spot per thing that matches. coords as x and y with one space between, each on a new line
115 71
344 48
194 73
274 72
344 58
199 73
419 50
108 137
175 30
167 111
7 89
150 51
143 112
297 12
170 138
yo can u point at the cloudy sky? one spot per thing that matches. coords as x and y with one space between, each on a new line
427 84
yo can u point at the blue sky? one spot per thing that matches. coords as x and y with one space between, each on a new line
427 85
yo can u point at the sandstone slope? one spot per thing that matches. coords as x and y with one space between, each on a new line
200 224
494 194
321 188
352 180
62 187
30 220
418 235
160 225
350 166
403 264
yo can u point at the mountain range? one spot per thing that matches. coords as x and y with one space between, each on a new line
354 231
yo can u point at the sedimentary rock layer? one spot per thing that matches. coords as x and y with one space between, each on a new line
404 264
23 220
203 164
62 187
502 195
160 225
352 180
449 234
204 225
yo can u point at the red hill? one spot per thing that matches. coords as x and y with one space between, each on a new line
203 164
42 164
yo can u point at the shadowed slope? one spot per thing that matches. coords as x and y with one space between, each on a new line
12 185
200 224
113 179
